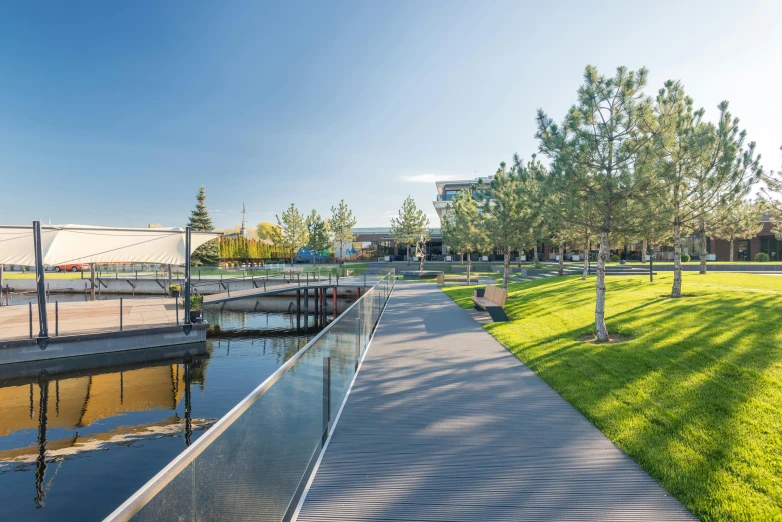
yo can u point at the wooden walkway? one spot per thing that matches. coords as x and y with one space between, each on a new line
89 317
443 423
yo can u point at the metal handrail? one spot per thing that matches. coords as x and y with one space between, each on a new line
147 492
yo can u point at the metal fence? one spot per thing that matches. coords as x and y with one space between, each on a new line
254 462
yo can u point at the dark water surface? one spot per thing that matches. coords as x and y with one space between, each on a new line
103 432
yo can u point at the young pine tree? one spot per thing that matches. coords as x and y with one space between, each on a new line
209 252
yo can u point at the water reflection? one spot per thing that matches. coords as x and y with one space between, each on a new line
78 436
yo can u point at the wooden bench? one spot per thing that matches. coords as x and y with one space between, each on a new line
493 301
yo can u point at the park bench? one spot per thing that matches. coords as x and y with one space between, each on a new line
493 301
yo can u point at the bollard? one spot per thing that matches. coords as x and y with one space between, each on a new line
120 314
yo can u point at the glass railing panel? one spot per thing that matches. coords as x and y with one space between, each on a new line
252 464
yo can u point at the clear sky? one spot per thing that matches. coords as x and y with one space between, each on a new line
114 113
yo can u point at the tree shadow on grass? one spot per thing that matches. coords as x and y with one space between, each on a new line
689 405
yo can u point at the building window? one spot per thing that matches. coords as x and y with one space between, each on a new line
770 246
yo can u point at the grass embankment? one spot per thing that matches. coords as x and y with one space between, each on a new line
694 396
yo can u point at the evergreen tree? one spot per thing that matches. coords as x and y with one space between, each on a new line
462 227
317 233
291 232
341 225
410 226
200 221
506 214
603 149
701 166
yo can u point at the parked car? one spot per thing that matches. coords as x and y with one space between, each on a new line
71 268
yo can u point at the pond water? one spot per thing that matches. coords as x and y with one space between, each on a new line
103 432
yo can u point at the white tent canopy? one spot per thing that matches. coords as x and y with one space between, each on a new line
66 244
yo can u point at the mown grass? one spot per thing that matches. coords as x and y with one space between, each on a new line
694 396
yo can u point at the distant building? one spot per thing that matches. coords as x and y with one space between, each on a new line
446 190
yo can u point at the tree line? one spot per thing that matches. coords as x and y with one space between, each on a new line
622 166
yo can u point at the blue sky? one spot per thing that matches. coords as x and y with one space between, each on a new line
114 113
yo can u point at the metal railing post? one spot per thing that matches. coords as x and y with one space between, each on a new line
56 318
120 314
358 335
326 397
31 319
176 301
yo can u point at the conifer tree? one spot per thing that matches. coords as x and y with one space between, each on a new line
317 233
463 228
410 226
200 221
341 224
603 148
505 214
700 165
291 231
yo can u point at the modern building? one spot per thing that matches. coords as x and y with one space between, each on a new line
446 190
376 242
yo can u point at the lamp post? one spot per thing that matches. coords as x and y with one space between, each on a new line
651 263
187 276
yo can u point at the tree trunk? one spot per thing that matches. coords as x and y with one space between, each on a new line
469 267
703 250
676 290
462 257
600 302
506 268
586 260
518 257
535 255
731 250
561 258
421 259
644 246
408 255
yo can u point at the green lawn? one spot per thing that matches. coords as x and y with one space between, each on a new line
695 395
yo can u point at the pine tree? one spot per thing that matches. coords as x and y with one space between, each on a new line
701 166
462 227
291 232
505 214
209 252
603 148
341 225
411 225
318 234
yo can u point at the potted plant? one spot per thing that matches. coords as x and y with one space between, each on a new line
174 290
196 304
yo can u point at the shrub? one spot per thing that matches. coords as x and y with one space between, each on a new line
196 302
614 258
174 288
762 257
685 258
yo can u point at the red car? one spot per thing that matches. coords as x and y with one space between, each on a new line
71 268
